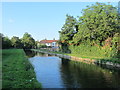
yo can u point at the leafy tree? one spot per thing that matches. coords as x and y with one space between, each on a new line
16 42
98 22
28 41
67 32
82 35
69 28
43 46
6 43
38 45
116 44
1 36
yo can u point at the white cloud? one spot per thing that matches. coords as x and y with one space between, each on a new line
11 20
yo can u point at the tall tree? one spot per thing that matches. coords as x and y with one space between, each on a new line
67 32
69 28
6 43
16 42
98 22
28 41
1 36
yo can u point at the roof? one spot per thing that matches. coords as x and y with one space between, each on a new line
48 41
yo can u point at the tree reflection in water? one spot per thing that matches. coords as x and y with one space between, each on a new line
31 53
76 74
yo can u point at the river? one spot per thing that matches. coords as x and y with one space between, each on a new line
55 72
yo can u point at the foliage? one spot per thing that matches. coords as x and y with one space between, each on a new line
98 22
16 42
68 29
1 36
67 32
28 41
64 48
116 39
6 43
42 46
97 26
94 51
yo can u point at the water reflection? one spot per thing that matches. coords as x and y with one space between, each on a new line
76 74
55 72
30 54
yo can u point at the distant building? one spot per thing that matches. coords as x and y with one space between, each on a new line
52 44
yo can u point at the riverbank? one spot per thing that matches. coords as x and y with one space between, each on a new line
17 72
115 62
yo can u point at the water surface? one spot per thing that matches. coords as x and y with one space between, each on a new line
55 72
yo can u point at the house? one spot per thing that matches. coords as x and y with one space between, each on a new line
52 44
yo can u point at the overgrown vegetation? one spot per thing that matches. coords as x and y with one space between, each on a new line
26 42
95 34
17 72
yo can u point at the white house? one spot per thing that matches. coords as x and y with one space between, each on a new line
52 43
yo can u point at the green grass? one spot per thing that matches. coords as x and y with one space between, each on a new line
97 57
48 51
103 59
0 69
94 52
17 72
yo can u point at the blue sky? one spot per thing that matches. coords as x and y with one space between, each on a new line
40 19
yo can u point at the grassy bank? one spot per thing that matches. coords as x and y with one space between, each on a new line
103 59
48 51
17 72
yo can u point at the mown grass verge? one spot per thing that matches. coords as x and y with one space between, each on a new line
17 72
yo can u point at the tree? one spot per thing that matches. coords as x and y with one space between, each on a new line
82 35
28 41
1 36
69 28
67 32
16 42
98 22
6 43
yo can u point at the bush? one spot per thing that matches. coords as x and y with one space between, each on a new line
94 51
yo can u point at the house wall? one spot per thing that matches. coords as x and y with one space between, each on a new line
49 44
53 44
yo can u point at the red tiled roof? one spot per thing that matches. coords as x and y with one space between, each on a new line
48 41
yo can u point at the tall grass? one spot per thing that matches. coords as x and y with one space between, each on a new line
95 52
17 71
87 50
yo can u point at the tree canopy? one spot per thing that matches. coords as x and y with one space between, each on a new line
6 42
98 26
28 41
69 28
16 42
98 22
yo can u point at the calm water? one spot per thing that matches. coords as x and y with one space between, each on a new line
55 72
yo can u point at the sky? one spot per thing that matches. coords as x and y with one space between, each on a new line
40 19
